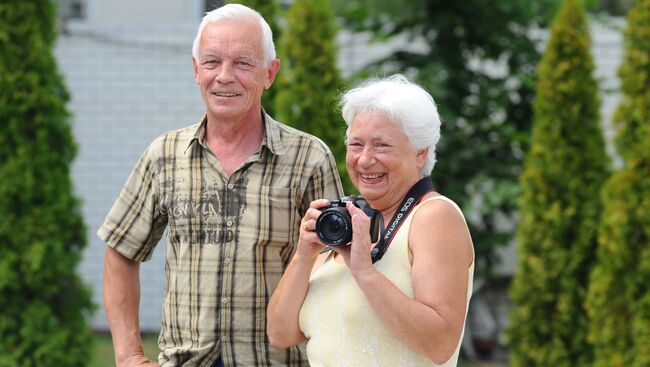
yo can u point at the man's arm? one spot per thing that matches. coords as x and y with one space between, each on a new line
122 304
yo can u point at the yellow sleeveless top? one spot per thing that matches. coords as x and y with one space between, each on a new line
341 328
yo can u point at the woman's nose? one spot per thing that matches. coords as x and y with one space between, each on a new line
366 158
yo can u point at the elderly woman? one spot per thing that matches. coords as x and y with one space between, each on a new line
354 306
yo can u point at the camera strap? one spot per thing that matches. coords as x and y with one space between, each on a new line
412 198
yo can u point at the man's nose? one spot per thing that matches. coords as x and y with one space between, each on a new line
226 73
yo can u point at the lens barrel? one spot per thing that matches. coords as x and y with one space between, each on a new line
334 226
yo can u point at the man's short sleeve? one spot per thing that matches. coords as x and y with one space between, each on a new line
135 224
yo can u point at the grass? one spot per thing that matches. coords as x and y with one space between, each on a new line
104 356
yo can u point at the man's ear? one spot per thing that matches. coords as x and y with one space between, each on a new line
195 66
271 73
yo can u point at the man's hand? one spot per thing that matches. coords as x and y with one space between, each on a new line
122 301
138 361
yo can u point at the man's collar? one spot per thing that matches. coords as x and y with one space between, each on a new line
272 138
199 133
271 134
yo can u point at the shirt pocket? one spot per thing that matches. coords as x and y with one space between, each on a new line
274 215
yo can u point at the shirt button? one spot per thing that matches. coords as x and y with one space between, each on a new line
224 338
230 186
227 261
224 300
229 223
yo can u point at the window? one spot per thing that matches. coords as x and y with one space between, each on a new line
71 9
210 5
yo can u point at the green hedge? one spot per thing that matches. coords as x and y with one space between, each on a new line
560 205
43 303
618 302
309 81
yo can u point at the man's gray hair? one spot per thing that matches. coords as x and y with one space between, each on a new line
402 101
237 12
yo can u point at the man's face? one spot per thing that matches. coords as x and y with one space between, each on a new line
231 72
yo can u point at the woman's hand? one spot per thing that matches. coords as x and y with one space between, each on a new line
309 245
283 310
357 255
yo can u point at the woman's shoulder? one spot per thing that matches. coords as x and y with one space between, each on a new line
435 203
438 217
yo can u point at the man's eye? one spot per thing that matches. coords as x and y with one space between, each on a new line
244 64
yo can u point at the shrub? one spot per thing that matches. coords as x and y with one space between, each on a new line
43 303
560 205
618 301
309 83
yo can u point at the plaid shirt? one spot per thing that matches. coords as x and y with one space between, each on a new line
229 238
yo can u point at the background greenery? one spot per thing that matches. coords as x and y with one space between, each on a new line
618 301
43 302
560 205
486 113
309 82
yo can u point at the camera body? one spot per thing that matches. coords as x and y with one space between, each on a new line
334 224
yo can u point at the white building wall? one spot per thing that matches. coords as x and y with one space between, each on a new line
127 11
126 90
142 11
607 48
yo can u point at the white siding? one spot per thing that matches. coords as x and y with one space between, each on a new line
126 90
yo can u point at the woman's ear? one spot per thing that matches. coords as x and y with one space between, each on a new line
422 157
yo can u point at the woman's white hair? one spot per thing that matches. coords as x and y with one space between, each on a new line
237 12
402 101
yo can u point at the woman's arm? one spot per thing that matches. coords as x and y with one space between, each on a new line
441 249
283 311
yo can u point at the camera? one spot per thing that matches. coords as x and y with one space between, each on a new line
334 224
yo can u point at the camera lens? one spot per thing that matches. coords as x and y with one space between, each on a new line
334 227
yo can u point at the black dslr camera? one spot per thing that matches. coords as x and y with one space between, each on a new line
334 224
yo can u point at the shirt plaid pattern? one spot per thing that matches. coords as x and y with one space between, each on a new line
229 238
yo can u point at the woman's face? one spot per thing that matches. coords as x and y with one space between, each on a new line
380 160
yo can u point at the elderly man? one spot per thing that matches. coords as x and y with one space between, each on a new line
231 191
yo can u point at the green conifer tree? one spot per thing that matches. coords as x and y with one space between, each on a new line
270 10
560 205
310 82
43 303
618 301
